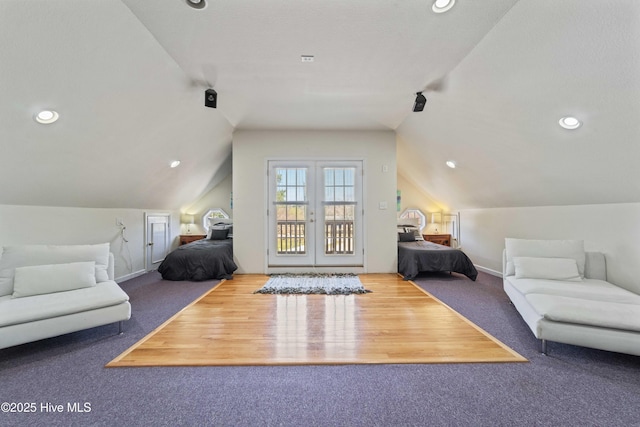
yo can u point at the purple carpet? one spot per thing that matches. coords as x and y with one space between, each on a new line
572 386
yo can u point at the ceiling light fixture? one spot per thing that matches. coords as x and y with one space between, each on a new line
570 122
441 6
46 117
451 164
197 4
175 163
420 102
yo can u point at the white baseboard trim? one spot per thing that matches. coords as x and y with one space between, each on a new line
489 271
130 276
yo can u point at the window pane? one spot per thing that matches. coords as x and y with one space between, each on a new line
349 194
328 176
328 194
349 177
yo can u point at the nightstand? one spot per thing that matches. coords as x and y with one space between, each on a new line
441 239
188 238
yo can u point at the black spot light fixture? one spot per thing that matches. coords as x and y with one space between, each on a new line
210 98
421 100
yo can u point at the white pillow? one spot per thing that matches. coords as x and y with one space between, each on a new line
47 279
544 249
547 268
30 255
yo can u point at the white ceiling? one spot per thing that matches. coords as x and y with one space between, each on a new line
128 79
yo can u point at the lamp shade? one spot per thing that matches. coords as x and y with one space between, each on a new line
186 219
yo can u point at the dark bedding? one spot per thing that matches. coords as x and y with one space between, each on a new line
415 257
200 260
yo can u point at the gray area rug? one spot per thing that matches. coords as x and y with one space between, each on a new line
326 284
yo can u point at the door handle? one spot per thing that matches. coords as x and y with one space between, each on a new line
150 244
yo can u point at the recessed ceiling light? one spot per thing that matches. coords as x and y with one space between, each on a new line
441 6
570 122
451 164
47 117
175 163
196 4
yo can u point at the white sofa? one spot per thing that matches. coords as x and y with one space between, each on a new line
563 295
49 290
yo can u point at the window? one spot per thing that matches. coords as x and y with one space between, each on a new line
415 213
215 213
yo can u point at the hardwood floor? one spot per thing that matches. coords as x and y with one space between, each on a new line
397 323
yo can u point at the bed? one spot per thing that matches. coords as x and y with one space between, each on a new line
419 256
206 259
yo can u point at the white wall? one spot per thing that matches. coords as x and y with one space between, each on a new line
411 197
22 225
613 229
251 149
218 197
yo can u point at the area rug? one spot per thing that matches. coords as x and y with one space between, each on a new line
397 323
325 284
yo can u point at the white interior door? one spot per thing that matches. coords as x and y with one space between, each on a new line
158 239
315 213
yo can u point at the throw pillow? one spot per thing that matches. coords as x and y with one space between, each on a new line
547 268
407 237
219 234
32 255
47 279
544 249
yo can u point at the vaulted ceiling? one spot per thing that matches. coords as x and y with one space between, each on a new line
128 78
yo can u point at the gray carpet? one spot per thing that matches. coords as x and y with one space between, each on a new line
570 387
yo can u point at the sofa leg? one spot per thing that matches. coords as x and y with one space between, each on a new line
543 347
120 328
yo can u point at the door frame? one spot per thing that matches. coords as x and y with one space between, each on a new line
267 219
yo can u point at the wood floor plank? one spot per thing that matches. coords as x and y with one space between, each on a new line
397 323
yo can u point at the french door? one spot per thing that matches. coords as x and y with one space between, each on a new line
315 213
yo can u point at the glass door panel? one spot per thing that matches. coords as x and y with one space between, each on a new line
290 231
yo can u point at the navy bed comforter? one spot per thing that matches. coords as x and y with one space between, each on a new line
419 256
200 260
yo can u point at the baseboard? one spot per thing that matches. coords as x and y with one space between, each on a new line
489 271
130 276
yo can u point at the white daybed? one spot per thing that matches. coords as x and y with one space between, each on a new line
48 290
563 295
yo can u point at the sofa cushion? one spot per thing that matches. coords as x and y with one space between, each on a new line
22 310
546 268
588 289
544 249
30 255
587 312
46 279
